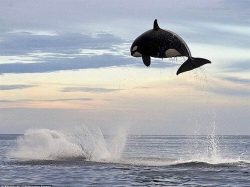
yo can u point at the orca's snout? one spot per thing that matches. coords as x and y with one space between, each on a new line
135 52
132 52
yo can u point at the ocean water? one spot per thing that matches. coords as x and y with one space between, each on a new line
86 157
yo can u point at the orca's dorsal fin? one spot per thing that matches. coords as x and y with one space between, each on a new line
156 26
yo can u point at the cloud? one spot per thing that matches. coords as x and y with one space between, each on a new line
45 100
232 86
14 101
194 21
21 43
225 86
237 80
76 62
88 89
53 65
224 58
82 14
239 92
24 52
240 66
15 87
235 35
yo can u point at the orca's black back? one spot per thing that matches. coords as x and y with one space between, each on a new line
155 43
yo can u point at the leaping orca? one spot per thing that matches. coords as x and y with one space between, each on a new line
161 43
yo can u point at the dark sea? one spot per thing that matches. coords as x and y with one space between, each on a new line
87 158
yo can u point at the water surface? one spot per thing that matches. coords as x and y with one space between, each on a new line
142 161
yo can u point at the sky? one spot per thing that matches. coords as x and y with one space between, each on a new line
65 63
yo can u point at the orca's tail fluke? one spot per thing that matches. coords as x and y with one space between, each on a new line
192 63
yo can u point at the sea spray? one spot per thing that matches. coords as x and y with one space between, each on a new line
84 142
117 143
213 149
207 151
91 141
44 144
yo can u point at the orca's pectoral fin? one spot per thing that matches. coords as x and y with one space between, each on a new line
146 60
192 63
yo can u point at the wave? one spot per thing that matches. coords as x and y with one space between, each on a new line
163 162
80 161
209 164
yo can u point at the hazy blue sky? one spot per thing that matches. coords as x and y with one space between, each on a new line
64 63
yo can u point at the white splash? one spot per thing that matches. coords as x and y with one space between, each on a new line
213 149
79 142
45 144
118 143
207 150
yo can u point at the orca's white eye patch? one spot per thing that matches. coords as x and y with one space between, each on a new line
135 48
